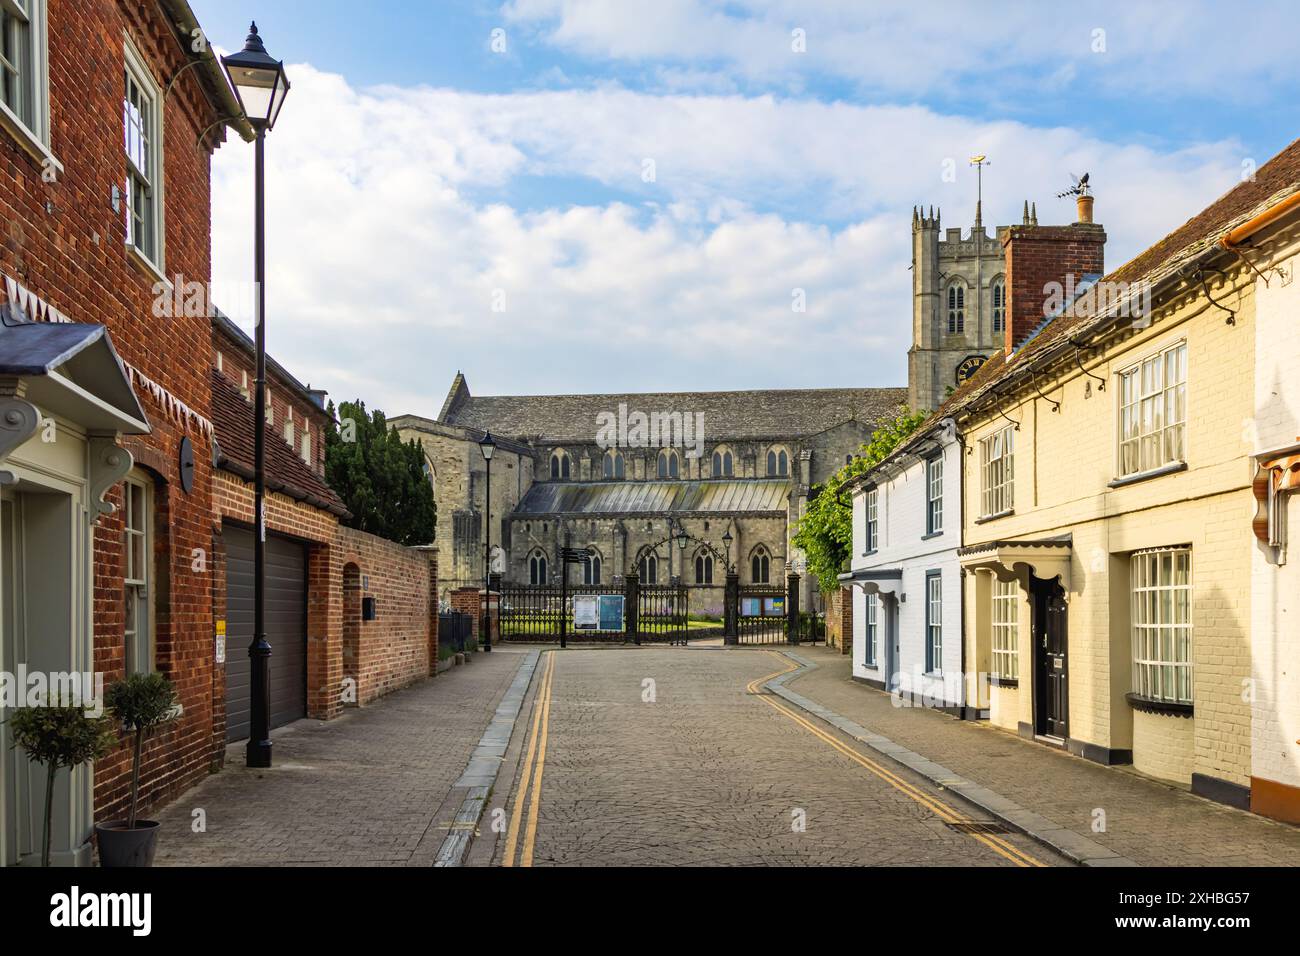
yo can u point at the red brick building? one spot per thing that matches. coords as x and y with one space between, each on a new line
110 113
326 655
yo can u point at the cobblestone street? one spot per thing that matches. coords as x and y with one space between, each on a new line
663 757
660 756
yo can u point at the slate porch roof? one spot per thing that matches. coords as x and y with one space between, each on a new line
740 415
749 496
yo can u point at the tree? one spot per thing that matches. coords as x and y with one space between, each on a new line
58 734
825 532
381 478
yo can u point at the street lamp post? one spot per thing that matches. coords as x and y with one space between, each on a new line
261 86
488 447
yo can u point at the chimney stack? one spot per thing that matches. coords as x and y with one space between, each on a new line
1038 256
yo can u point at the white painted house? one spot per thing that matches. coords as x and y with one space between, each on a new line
906 580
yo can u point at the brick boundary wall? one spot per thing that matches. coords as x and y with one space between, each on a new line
396 649
839 619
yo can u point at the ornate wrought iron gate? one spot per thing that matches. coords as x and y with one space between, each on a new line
651 613
762 615
662 613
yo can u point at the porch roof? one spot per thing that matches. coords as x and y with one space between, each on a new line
70 369
1046 558
875 580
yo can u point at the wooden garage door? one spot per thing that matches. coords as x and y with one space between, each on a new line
286 628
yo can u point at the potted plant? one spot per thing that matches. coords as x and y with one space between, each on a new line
141 704
58 736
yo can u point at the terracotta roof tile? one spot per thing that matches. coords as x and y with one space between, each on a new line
232 417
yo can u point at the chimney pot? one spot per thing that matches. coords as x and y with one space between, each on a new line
1085 209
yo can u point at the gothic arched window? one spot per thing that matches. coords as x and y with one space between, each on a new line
760 566
723 464
649 568
591 569
537 570
778 463
999 305
956 308
613 468
703 567
668 464
561 466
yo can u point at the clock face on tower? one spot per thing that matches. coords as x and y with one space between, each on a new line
969 366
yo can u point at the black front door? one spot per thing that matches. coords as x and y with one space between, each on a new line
1051 667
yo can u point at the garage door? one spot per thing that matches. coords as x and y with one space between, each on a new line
286 628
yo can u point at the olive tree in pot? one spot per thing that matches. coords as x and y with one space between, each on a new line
141 703
58 736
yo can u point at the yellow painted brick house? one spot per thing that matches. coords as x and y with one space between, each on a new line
1109 457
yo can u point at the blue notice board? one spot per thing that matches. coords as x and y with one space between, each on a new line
611 612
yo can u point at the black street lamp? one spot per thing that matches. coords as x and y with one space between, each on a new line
726 540
488 447
260 86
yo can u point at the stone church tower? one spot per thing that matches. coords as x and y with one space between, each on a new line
959 304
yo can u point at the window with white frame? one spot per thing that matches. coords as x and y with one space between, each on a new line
1153 411
1161 582
997 471
934 495
873 629
24 93
142 119
872 539
1006 629
137 533
933 622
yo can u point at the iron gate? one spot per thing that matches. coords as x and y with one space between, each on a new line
761 617
533 614
662 613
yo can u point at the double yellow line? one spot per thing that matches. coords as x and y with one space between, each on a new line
534 765
940 809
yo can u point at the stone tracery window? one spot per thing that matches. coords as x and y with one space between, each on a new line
956 308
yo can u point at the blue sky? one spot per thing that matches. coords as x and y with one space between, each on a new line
490 210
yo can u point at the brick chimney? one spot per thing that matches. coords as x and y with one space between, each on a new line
1037 256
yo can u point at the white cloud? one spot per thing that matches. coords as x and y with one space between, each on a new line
941 46
389 230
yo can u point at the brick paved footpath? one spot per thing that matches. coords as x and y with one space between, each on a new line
362 790
1149 822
